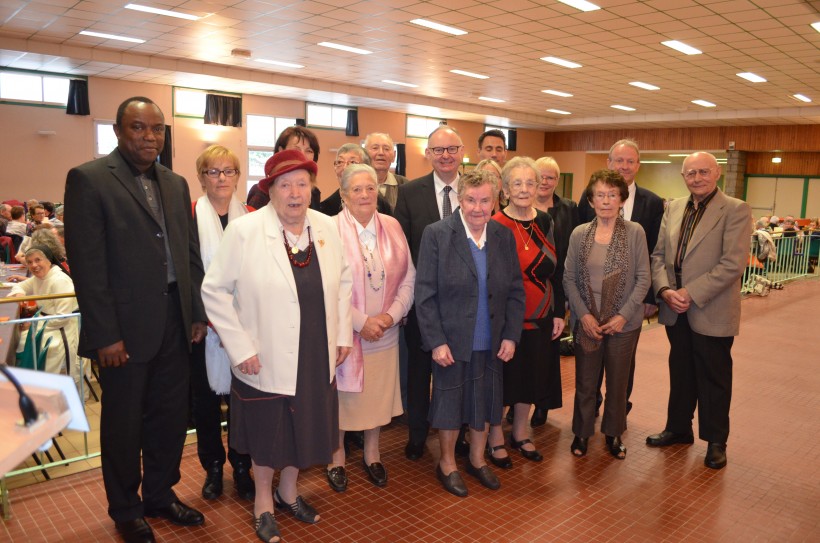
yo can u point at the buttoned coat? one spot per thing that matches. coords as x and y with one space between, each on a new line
416 207
712 267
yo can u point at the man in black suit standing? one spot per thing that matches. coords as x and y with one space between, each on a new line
421 202
137 272
643 207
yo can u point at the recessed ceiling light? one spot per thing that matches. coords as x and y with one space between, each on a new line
645 86
583 5
157 11
703 103
624 108
558 93
279 63
559 112
680 155
802 97
749 76
469 74
488 99
390 81
682 47
561 62
777 160
656 162
345 48
438 26
111 36
816 26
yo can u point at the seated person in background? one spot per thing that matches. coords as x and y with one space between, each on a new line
59 212
38 215
813 228
17 224
347 155
5 217
789 228
44 234
774 225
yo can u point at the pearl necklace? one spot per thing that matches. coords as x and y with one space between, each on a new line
370 268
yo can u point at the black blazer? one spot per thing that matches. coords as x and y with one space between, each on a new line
416 207
118 259
332 205
647 211
564 213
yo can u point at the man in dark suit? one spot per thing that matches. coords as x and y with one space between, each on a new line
420 202
643 207
697 267
137 272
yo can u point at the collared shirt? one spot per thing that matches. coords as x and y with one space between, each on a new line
629 205
691 217
367 234
482 240
439 186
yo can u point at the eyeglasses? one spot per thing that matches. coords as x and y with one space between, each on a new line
345 162
451 150
548 178
518 185
691 174
213 173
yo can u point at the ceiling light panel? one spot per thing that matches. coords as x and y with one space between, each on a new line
438 26
582 5
557 93
494 100
623 108
157 11
645 86
110 36
559 111
561 62
469 74
703 103
399 83
682 47
347 48
279 63
749 76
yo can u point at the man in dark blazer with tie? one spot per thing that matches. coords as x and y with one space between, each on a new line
697 267
643 207
421 202
137 272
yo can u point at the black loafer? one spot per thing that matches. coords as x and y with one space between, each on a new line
414 451
484 475
375 472
535 456
579 444
503 462
135 531
212 489
715 456
667 438
539 417
452 483
177 513
245 487
337 477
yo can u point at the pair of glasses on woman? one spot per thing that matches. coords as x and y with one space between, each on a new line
213 173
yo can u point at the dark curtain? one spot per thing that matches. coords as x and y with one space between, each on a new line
401 159
352 127
300 122
166 156
78 98
512 137
223 110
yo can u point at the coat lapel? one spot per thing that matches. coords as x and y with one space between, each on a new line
459 242
711 216
430 200
122 172
275 245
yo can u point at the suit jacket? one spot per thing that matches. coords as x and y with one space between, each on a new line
391 192
416 207
250 294
712 267
564 213
332 205
646 211
118 258
447 287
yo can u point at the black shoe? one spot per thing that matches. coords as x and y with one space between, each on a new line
462 445
245 487
579 444
535 456
354 438
212 489
484 475
503 462
452 483
266 528
299 509
375 472
135 531
414 451
667 438
337 477
715 456
177 513
616 447
539 417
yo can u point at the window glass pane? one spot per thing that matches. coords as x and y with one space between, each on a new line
189 102
256 163
14 86
319 115
281 124
339 117
505 130
417 127
55 90
104 138
261 131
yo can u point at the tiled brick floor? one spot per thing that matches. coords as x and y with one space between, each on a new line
770 490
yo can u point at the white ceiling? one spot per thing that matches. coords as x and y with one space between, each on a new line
617 44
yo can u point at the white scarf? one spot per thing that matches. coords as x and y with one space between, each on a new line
217 364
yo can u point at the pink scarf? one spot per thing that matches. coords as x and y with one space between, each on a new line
390 244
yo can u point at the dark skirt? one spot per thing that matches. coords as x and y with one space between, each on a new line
467 393
276 430
533 376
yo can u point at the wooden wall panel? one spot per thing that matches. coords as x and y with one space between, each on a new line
792 164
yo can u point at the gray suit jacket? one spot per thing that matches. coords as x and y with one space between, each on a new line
118 259
712 268
447 287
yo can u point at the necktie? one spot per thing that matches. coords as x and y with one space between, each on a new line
446 206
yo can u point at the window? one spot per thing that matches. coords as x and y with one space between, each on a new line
189 102
505 130
326 116
34 88
421 127
105 140
262 133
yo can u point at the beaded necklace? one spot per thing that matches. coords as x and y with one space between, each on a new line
370 267
292 252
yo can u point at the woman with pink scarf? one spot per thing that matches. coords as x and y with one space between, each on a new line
383 278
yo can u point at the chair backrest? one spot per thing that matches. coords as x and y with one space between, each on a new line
814 247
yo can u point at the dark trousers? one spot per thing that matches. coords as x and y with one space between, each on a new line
419 375
700 375
145 410
600 397
612 356
207 406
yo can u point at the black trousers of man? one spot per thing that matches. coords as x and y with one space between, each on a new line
419 375
145 410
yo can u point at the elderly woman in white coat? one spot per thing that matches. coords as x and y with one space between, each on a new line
278 293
